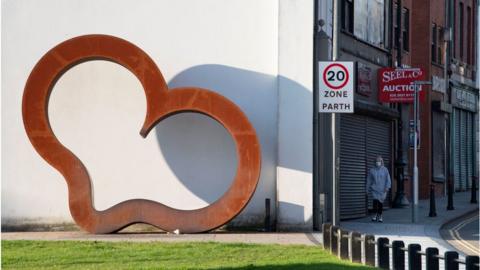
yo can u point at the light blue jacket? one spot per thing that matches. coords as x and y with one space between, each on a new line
378 180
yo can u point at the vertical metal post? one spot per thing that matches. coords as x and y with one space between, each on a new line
451 135
383 253
315 172
398 255
414 257
433 208
473 198
267 215
451 260
431 261
336 33
415 168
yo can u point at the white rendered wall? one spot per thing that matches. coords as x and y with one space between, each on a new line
295 69
97 108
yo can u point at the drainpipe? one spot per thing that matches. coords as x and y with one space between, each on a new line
400 200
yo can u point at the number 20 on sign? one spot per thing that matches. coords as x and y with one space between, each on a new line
335 87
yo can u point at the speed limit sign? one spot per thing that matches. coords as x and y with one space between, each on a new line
336 87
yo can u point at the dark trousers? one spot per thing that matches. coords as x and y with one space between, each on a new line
378 207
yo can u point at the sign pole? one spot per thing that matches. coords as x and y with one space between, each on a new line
336 32
416 114
415 167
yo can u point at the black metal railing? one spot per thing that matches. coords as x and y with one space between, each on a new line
348 245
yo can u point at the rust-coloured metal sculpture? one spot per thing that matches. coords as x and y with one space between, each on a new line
161 103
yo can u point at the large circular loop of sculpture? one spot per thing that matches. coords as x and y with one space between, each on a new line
161 103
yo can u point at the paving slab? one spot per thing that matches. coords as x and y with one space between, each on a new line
310 239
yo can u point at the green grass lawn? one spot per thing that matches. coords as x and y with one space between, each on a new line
158 255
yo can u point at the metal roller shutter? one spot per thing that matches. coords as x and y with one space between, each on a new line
463 149
456 147
362 140
352 167
469 154
379 143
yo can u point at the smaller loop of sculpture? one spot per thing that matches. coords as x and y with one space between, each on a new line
161 103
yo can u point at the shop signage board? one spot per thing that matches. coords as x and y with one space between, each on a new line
395 85
464 99
336 84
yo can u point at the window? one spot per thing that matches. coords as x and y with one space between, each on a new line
460 44
406 29
437 41
440 33
454 43
434 43
347 15
365 19
474 48
439 149
469 35
395 27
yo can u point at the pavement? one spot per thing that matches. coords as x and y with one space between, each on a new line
308 238
397 223
396 226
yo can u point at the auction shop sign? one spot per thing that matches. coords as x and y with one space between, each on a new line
395 85
335 87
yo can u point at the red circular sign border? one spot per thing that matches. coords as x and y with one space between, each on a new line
342 67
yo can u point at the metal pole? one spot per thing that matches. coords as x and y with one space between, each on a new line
315 186
336 32
415 168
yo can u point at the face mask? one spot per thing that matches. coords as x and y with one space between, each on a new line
379 163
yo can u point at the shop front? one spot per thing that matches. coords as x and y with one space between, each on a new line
463 136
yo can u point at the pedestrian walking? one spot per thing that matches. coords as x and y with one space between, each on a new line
378 184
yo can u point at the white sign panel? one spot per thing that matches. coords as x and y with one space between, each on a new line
335 87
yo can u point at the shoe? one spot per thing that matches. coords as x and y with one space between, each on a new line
375 218
380 219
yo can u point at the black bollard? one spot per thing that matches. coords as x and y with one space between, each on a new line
383 253
432 258
267 215
414 257
474 190
450 193
398 255
471 263
433 210
451 258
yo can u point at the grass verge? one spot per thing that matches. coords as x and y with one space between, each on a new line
161 255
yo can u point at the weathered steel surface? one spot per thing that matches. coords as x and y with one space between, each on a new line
161 103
